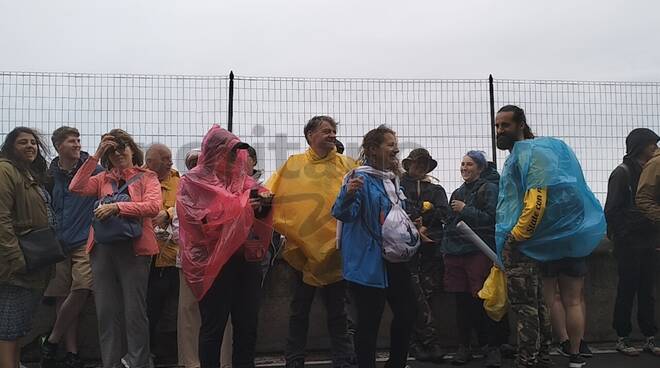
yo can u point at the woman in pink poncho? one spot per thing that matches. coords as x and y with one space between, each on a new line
225 229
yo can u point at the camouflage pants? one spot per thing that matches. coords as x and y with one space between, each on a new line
526 301
426 274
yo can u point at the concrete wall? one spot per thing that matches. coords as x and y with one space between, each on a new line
600 294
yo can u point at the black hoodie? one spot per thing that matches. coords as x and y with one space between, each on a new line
419 191
625 223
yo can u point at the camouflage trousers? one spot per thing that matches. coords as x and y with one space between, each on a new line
426 274
525 292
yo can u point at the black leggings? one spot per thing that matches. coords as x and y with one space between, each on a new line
370 304
236 291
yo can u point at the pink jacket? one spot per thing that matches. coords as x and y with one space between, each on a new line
145 202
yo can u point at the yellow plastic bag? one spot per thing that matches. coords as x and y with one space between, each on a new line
494 294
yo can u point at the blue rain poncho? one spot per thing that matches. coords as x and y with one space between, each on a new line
573 223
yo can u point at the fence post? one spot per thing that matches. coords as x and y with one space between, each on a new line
230 107
493 136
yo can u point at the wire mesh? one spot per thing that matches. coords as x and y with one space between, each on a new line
174 110
448 117
594 118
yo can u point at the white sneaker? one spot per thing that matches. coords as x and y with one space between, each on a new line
650 347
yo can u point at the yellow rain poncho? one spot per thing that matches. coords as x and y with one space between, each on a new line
305 189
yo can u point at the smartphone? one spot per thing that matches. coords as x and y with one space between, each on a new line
254 193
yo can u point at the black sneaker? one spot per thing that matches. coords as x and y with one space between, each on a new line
493 358
576 361
48 353
585 351
462 356
72 360
564 348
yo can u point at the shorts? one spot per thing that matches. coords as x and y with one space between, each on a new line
17 306
571 267
466 273
74 273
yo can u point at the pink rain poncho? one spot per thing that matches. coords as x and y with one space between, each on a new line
215 217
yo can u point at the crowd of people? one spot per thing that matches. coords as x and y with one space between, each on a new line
363 233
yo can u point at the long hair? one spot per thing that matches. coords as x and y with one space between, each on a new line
519 117
373 139
37 168
122 137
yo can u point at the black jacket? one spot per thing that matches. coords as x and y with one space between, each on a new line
480 199
419 191
625 223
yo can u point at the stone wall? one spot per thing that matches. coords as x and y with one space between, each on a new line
600 294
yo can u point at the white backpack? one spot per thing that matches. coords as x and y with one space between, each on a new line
400 238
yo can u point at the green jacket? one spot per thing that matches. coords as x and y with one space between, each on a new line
21 208
648 191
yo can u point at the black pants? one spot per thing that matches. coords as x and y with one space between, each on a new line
163 286
370 304
636 278
471 316
236 291
334 296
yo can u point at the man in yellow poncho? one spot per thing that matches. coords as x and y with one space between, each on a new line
305 189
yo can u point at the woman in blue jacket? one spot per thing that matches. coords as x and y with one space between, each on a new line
362 206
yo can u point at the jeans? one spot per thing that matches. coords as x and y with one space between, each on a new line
636 279
334 296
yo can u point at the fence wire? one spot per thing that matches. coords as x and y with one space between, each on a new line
445 116
594 118
174 110
448 117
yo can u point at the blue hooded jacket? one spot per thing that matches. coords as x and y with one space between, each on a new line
72 212
361 244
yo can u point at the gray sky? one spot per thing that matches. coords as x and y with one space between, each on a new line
585 40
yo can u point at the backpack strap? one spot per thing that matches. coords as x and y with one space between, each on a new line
128 182
625 168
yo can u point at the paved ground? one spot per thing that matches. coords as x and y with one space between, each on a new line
604 359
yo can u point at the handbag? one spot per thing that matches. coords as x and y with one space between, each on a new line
116 228
40 248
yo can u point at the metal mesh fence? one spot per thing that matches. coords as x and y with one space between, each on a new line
448 117
174 110
445 116
594 118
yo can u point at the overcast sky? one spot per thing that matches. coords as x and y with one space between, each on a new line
561 39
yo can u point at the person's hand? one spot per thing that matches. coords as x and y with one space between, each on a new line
457 206
162 219
255 203
104 211
423 233
107 142
509 251
354 184
418 223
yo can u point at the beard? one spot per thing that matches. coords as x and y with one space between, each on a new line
505 142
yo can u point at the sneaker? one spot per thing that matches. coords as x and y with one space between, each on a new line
124 362
576 361
544 361
585 350
72 360
462 356
493 358
650 347
623 346
564 348
48 353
